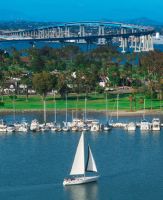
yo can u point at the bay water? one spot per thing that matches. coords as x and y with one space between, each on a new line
33 165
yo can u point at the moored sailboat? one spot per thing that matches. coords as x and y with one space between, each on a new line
79 168
66 128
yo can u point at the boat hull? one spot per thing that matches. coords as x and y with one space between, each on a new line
80 180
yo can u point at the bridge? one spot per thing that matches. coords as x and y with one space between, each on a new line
126 36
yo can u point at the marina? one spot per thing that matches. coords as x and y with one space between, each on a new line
78 125
89 124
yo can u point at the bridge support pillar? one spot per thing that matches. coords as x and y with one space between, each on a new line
136 44
67 31
150 43
60 32
81 33
101 32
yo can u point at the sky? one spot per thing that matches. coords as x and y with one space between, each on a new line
78 10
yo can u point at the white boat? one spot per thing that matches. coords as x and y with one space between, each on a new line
131 126
107 127
23 127
145 125
50 125
56 127
119 125
17 125
3 126
65 128
79 169
44 127
95 126
10 128
34 125
156 124
74 128
76 124
85 128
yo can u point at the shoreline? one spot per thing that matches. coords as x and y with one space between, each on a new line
112 113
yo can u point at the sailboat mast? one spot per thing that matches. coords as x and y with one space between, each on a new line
55 114
117 106
144 110
77 107
66 109
14 112
84 153
106 108
44 110
85 116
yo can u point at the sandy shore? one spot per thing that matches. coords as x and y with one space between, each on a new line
113 113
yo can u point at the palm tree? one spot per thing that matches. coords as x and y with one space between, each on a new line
27 82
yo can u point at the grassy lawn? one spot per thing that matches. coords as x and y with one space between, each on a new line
94 102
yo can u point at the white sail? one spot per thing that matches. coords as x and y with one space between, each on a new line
91 165
78 166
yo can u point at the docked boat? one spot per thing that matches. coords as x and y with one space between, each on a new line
145 125
34 125
79 169
74 128
131 126
17 125
56 128
10 128
3 126
106 127
23 126
44 127
76 124
95 126
156 125
85 128
118 125
65 128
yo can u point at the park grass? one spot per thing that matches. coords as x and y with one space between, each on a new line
94 102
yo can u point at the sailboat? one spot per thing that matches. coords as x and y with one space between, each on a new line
79 167
66 127
144 124
106 126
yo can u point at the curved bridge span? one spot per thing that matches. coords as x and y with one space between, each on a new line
138 38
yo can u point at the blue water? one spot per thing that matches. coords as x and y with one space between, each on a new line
33 165
25 45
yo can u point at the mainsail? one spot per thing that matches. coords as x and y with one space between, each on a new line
90 165
78 166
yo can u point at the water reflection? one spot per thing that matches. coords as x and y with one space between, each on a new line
82 192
